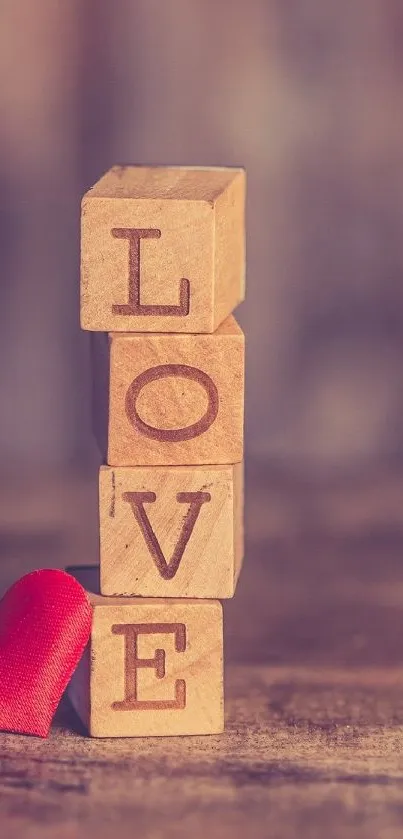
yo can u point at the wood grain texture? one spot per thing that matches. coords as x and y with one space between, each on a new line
186 273
305 753
171 531
313 677
173 399
152 667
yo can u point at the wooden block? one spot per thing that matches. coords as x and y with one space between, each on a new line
152 667
162 249
171 531
173 399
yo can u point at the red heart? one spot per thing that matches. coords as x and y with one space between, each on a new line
45 623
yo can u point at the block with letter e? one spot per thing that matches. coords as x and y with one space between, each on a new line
162 249
171 531
164 399
152 666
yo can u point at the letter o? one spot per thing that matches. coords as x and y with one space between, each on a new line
175 435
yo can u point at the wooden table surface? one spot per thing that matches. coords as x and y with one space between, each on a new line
314 678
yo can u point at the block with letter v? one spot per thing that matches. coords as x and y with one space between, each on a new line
171 531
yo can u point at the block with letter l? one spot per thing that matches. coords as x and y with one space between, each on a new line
152 666
162 249
163 399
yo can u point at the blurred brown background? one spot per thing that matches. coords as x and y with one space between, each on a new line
307 94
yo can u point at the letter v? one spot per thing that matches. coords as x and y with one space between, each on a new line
195 501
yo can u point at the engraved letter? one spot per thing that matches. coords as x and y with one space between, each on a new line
131 631
195 500
134 307
174 435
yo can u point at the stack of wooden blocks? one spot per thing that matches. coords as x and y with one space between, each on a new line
163 266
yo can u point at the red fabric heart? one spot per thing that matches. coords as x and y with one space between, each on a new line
45 623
